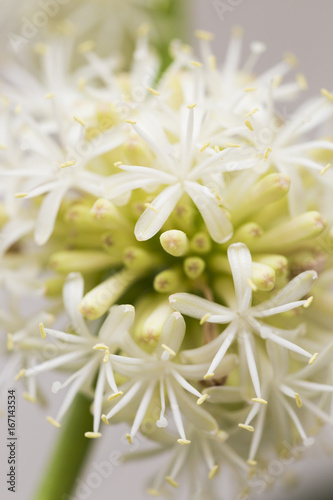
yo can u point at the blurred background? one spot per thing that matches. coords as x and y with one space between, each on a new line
303 27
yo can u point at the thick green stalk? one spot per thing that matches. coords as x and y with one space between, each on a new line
69 454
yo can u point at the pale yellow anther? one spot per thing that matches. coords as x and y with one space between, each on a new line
253 287
216 148
209 375
40 48
21 195
246 427
106 356
10 342
205 146
153 91
212 62
213 471
308 302
171 481
313 358
277 81
249 125
231 145
50 95
204 35
115 395
93 435
29 398
237 31
267 153
131 122
53 422
42 331
151 207
298 400
254 110
250 89
101 347
301 80
192 106
118 163
291 59
204 318
129 438
202 399
259 400
168 349
79 120
68 163
327 94
86 46
253 463
324 170
183 441
105 420
197 64
20 374
222 436
153 493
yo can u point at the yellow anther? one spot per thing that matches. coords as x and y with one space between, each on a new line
212 62
20 374
129 438
277 81
132 122
105 420
209 375
230 145
152 492
249 125
204 318
10 342
250 89
29 398
253 463
253 287
254 110
267 153
327 94
171 481
102 347
50 95
115 395
237 31
291 59
205 146
202 399
153 91
204 35
308 302
86 46
118 163
217 149
222 436
259 400
197 64
213 471
324 170
168 349
40 48
246 427
301 80
298 400
183 441
93 435
192 106
79 120
21 195
42 331
68 163
151 207
106 356
313 358
53 422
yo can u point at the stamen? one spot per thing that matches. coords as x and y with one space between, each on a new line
204 35
259 400
132 122
197 64
29 398
212 62
208 375
308 302
105 420
69 163
291 59
20 374
298 400
249 125
106 356
183 441
202 399
213 471
100 347
217 149
267 153
152 492
301 80
115 395
10 342
151 207
153 91
50 95
79 120
324 170
118 163
171 481
229 145
53 422
246 427
254 110
253 463
204 147
169 350
21 195
192 106
277 81
250 89
42 331
204 318
327 94
313 358
86 46
93 435
129 438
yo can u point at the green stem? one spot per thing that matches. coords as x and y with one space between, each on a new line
69 454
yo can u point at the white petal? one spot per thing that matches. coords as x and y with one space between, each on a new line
72 295
172 334
241 267
47 214
197 307
117 323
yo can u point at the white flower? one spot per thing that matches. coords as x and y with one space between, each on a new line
243 319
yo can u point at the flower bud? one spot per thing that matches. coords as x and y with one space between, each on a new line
150 316
201 243
136 152
246 234
194 267
53 286
83 261
138 259
263 277
278 262
168 281
174 242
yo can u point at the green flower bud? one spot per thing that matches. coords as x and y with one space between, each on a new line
246 234
263 277
53 286
278 262
174 242
83 261
150 316
201 243
194 267
168 281
138 259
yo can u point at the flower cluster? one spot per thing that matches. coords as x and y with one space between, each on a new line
182 223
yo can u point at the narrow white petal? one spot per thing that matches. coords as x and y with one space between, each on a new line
140 414
127 398
251 362
47 214
172 334
241 267
98 399
72 295
197 307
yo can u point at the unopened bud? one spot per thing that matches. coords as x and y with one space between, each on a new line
138 259
82 261
168 281
278 262
247 233
201 243
263 277
53 286
194 267
174 242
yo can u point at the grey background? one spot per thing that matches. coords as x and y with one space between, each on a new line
305 28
